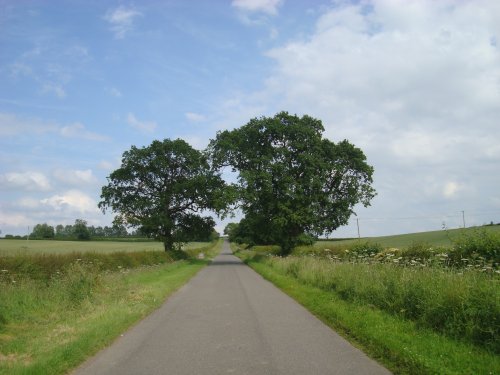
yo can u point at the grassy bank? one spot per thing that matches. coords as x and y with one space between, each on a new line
50 324
420 309
400 344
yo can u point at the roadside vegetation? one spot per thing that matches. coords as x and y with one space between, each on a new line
419 309
58 309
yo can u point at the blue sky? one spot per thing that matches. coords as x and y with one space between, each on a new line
415 84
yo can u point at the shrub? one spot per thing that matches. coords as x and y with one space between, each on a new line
477 245
364 250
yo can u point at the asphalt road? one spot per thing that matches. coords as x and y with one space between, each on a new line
228 320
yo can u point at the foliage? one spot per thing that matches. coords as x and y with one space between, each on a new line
401 345
230 228
461 305
292 181
80 230
479 244
42 231
161 188
364 249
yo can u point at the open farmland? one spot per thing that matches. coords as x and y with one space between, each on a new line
23 247
434 238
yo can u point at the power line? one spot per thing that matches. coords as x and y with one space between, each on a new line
434 216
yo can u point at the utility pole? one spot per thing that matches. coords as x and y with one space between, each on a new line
463 218
357 222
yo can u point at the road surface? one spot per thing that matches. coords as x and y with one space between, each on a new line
229 320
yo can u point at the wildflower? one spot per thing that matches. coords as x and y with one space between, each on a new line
5 271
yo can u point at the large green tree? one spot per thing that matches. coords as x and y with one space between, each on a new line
293 182
162 189
43 231
80 230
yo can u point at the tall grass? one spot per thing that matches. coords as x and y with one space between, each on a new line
454 291
57 309
465 306
46 266
402 345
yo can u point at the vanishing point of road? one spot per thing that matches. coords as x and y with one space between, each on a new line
229 320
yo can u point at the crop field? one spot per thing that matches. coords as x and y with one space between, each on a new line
435 238
27 247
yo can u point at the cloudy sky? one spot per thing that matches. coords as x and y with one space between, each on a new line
415 84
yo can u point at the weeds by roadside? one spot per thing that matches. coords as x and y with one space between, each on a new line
451 291
55 310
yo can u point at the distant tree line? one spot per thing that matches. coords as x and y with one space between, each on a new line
81 231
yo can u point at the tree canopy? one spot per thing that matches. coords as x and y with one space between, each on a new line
292 182
43 231
162 189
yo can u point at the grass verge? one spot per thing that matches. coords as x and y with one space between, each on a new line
399 344
52 325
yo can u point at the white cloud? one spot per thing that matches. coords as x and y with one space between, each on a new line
29 203
199 143
12 125
78 130
265 6
12 219
121 20
195 117
113 91
54 88
73 201
143 126
451 189
105 165
75 177
27 181
416 85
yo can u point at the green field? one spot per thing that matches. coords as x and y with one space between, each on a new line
435 238
25 247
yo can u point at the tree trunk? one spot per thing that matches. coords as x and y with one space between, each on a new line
168 243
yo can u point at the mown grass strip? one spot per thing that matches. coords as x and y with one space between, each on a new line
399 344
